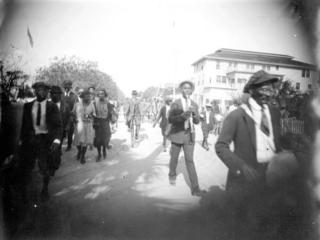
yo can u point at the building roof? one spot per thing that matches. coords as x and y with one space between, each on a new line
256 57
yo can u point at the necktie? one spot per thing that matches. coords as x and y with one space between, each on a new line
186 123
264 122
38 115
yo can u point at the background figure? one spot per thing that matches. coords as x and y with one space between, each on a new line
133 117
207 122
104 111
84 133
68 119
164 123
56 95
41 132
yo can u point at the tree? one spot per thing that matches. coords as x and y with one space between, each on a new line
83 74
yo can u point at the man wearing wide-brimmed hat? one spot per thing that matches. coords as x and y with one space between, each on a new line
41 133
183 116
254 129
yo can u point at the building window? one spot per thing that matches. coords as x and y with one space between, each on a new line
224 79
277 68
218 65
210 79
248 66
218 79
298 86
268 67
230 64
241 80
309 86
308 73
231 80
235 65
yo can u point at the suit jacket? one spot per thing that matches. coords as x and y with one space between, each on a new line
163 116
134 109
177 131
53 121
68 105
239 128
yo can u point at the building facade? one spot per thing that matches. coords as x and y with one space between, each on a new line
222 75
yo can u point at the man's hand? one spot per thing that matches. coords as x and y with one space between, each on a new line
250 173
186 114
55 147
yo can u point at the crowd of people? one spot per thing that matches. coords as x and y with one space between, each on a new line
85 117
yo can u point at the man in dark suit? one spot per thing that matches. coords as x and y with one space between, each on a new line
41 132
69 98
254 128
207 122
163 118
56 95
183 115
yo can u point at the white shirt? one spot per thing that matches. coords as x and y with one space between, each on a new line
42 128
265 144
207 116
186 104
167 111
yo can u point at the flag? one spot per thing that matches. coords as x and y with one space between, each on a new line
30 37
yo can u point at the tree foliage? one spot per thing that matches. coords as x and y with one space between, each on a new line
83 74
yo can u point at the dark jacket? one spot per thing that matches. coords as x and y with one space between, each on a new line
163 117
239 128
68 105
53 118
177 120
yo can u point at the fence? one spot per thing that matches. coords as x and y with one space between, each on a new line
291 125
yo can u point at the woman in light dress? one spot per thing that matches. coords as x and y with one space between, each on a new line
84 111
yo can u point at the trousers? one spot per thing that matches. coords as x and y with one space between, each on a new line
188 149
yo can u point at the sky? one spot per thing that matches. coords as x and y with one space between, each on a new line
145 43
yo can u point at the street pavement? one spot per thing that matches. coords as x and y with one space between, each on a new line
128 196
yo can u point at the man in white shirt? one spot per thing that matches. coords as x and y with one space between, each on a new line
182 117
254 129
40 137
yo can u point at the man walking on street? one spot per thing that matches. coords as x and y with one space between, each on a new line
207 122
183 115
69 98
41 132
163 115
134 117
254 128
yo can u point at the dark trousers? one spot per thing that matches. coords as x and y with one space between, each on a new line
68 133
188 149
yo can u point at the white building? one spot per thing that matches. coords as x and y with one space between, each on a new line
222 75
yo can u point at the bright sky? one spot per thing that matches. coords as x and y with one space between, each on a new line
148 42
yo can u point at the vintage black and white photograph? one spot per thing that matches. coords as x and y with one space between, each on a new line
159 119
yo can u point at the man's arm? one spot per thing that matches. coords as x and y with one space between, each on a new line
227 135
